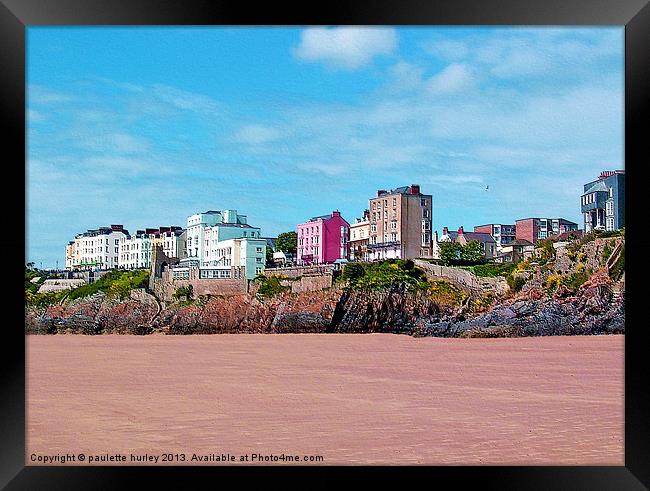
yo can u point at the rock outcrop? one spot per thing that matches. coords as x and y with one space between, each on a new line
400 309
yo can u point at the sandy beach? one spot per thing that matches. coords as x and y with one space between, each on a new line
350 399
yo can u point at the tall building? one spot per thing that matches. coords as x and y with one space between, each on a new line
603 202
400 224
502 234
96 249
219 240
204 230
534 229
359 237
323 239
136 250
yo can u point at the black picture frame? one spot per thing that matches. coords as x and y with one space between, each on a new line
16 15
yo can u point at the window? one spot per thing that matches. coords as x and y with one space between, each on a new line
258 259
116 241
394 201
423 202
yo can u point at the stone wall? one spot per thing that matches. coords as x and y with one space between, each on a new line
311 283
464 279
296 271
165 287
58 285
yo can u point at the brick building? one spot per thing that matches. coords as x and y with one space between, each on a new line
502 234
400 224
534 229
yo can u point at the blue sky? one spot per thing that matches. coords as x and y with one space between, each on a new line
145 126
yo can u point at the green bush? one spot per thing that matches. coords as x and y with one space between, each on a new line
445 293
492 269
271 286
116 283
352 272
183 291
388 273
515 283
607 251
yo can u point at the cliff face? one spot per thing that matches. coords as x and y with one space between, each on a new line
593 309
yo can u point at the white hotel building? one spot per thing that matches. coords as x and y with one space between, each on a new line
218 240
136 251
95 249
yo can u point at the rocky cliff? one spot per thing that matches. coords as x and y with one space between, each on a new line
400 309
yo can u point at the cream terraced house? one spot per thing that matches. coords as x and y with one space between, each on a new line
96 249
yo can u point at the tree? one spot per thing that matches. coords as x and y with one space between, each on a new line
449 252
472 251
269 255
287 242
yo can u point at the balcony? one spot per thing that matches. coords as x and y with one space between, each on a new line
384 245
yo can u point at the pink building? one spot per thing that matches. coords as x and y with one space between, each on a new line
323 239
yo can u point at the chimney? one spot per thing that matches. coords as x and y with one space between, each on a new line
366 214
336 213
445 231
415 189
460 230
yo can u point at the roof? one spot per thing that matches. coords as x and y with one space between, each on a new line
239 225
566 235
322 217
596 186
519 242
399 190
481 237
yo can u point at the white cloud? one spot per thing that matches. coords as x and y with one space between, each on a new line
327 169
447 49
450 80
34 116
345 47
113 142
405 76
256 134
185 100
37 94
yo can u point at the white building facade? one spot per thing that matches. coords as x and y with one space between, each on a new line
96 249
218 240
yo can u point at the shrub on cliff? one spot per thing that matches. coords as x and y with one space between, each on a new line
270 286
386 274
183 291
445 293
115 283
352 272
491 270
515 283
